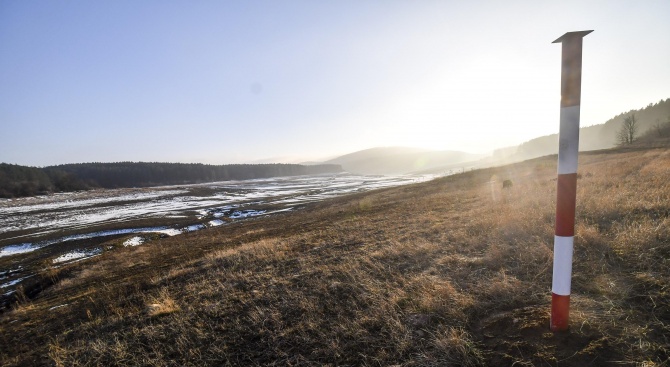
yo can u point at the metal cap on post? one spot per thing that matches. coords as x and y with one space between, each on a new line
568 148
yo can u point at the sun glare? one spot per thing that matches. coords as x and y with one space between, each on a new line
487 105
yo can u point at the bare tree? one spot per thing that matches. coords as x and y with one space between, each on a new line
658 127
628 131
662 128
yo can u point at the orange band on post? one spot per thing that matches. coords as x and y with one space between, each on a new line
560 311
566 196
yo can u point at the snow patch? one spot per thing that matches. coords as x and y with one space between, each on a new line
246 213
195 227
74 211
135 241
30 247
21 248
215 222
14 282
167 231
76 255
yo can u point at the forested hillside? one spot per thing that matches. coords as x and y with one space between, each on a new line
16 181
23 181
601 136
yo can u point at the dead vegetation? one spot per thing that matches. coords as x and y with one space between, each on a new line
455 271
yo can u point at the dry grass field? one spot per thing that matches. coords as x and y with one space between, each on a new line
452 272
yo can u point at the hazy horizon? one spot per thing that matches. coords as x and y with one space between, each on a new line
224 82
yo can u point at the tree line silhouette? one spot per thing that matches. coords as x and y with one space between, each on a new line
18 181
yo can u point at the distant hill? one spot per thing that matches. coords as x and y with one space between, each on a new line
600 136
399 160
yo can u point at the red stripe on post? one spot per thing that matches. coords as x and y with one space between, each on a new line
566 196
560 307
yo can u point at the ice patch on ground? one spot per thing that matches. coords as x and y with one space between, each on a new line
76 255
246 213
168 231
135 241
76 210
195 227
14 282
18 249
281 210
29 247
73 212
216 222
40 203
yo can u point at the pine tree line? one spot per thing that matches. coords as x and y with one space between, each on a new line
17 181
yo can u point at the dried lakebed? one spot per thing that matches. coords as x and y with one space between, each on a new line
49 231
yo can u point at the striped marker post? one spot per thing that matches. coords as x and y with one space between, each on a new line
568 147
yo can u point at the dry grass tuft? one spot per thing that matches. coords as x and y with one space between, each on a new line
454 346
162 304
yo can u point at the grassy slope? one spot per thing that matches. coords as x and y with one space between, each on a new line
451 272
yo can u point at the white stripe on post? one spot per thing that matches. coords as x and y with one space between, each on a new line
568 143
562 265
568 151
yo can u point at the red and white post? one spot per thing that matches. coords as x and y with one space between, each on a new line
568 147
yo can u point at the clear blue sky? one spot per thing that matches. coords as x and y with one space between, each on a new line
244 81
